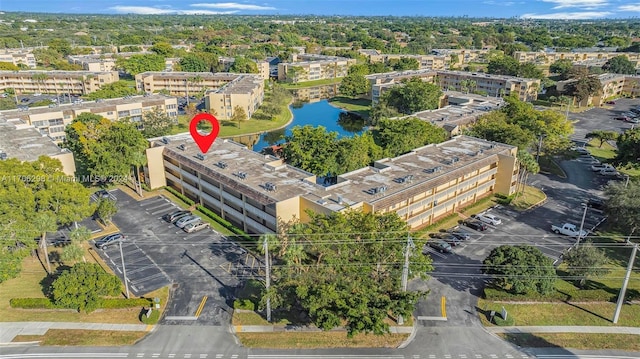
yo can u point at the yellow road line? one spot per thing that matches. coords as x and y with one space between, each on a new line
443 306
201 306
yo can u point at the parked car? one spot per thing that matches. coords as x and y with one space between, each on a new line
104 242
632 120
459 233
439 245
449 238
621 118
195 227
103 193
609 172
186 220
611 102
581 150
596 204
175 215
488 218
600 167
475 224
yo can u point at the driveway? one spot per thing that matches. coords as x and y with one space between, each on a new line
602 118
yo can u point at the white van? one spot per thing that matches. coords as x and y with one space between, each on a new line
186 220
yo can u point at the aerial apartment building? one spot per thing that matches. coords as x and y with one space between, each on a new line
24 142
613 85
51 121
547 58
435 62
259 192
18 57
220 89
491 85
54 82
246 91
311 67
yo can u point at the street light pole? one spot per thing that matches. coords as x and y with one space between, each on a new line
124 271
405 269
584 215
539 147
616 315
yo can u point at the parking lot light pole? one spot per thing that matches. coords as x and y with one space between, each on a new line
584 215
124 271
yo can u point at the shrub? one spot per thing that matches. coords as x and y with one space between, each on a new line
32 303
245 304
153 317
226 224
497 320
182 197
119 303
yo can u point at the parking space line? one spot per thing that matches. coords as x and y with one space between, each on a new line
201 306
141 269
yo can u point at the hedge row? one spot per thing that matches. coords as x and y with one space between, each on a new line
246 304
224 223
32 303
182 197
110 303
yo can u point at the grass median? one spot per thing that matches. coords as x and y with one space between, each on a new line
315 340
581 341
83 337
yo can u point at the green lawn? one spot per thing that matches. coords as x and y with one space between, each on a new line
606 153
582 341
311 83
529 197
356 105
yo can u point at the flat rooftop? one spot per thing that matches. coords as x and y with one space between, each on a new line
241 84
24 142
430 165
85 105
55 73
423 72
219 76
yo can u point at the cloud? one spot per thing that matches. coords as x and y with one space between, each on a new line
585 15
233 5
584 4
148 10
630 7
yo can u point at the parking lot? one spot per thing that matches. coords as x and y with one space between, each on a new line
602 118
203 268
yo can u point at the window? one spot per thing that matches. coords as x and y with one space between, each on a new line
109 113
123 113
135 111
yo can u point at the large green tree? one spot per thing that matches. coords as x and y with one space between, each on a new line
585 261
344 269
113 90
561 67
141 63
494 126
103 148
244 65
602 136
83 286
620 65
520 269
356 152
503 65
156 123
193 63
401 136
312 149
623 206
354 84
413 95
629 147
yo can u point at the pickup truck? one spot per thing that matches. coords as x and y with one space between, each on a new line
568 229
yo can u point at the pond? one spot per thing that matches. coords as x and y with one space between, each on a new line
315 114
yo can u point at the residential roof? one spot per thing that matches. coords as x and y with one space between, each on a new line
24 142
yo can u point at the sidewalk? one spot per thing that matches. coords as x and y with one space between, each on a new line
565 329
9 330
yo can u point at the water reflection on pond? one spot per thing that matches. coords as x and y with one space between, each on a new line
315 114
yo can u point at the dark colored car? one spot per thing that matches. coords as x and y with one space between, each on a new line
104 242
621 118
595 203
174 216
439 245
103 193
449 238
475 224
459 233
611 102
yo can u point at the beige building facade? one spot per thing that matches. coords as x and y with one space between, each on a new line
547 58
246 91
53 82
51 121
613 85
18 57
258 193
311 67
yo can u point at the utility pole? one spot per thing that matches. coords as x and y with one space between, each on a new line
405 270
584 215
624 285
539 148
124 271
268 277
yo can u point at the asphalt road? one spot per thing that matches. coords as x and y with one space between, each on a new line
602 118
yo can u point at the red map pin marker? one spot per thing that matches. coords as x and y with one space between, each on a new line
204 142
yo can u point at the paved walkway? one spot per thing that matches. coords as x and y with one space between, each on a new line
9 330
566 329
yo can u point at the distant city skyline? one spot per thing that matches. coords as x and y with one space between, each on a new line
533 9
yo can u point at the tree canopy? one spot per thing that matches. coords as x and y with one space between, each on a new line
354 84
141 63
585 261
520 269
401 136
113 90
156 123
412 96
244 65
345 269
628 147
620 65
83 286
623 206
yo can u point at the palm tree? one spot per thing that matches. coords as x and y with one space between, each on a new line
45 222
139 159
39 78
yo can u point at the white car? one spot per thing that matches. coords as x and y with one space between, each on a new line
609 172
196 226
489 219
602 166
182 222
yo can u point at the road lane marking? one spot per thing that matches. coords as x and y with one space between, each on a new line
443 306
202 303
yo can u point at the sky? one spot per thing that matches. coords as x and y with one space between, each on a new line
535 9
